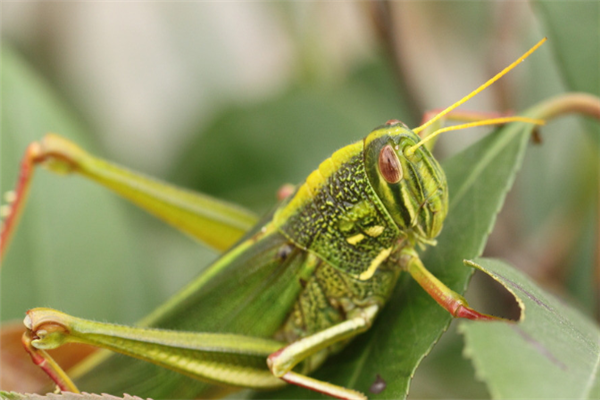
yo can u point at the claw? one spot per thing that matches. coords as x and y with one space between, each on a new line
469 313
37 332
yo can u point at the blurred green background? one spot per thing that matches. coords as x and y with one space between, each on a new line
236 99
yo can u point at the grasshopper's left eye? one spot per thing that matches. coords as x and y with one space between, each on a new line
389 165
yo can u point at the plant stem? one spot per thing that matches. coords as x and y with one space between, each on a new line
578 103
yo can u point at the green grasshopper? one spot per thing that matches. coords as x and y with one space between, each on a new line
326 261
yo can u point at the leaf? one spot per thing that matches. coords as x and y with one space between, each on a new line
572 29
412 322
248 152
63 396
570 206
74 238
574 33
554 352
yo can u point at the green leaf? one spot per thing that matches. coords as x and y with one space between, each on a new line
573 30
63 396
412 322
573 33
53 259
248 152
554 352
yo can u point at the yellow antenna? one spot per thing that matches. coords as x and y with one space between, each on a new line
494 121
476 91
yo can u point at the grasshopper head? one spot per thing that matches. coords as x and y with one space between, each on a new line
410 184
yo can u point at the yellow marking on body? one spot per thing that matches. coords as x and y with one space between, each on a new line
346 153
327 167
316 180
374 231
409 205
381 257
388 130
302 196
355 239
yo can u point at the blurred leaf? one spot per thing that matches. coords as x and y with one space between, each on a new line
74 240
573 30
561 223
583 289
553 353
63 396
248 152
439 372
412 322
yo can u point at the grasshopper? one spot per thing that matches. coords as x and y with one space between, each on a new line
325 262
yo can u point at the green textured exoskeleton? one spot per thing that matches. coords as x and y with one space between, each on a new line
297 287
317 273
367 201
355 215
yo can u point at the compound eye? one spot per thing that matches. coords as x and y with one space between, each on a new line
389 165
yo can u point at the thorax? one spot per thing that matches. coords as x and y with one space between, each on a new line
336 215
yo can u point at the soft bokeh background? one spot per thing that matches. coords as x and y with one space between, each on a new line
236 99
